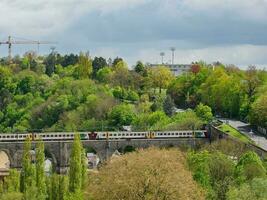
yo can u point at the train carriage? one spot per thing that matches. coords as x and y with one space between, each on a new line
56 136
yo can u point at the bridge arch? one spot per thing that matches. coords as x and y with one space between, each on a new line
5 159
51 156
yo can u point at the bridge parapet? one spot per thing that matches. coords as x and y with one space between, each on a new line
59 152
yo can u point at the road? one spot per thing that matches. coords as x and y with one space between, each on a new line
246 129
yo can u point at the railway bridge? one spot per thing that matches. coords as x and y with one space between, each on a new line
59 151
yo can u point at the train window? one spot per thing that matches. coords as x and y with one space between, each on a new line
110 134
115 134
172 133
4 136
138 134
131 134
184 133
8 136
169 133
123 134
165 133
119 134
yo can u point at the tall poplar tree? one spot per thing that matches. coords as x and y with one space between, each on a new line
75 173
40 173
27 177
27 172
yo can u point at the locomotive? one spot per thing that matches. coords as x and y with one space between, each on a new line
114 135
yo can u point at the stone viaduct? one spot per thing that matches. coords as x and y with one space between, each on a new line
59 151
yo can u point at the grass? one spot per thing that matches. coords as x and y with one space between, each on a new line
235 133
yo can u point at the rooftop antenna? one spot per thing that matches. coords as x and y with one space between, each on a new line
162 54
173 50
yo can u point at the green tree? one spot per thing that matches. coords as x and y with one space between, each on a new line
76 167
145 175
84 68
161 77
121 115
27 172
258 113
98 63
120 75
204 112
40 173
168 106
248 167
255 190
50 63
104 75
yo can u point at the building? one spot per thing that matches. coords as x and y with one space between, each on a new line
176 69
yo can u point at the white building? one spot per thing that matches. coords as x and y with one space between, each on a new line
176 69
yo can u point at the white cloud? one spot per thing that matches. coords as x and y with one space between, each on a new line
43 17
241 55
249 9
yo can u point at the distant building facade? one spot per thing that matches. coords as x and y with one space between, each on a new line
176 69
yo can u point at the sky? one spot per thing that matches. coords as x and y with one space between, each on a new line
228 31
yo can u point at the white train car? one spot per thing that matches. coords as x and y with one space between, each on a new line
122 135
174 134
60 136
14 137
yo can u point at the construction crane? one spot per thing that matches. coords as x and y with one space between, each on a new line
11 42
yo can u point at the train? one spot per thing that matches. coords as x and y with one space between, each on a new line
115 135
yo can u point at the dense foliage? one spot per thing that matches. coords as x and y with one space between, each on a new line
76 92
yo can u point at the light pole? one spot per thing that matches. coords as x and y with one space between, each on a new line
162 54
173 50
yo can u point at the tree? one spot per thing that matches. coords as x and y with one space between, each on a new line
84 68
98 63
121 115
248 167
116 61
40 173
204 112
168 106
155 174
195 68
104 75
213 170
151 121
76 169
27 172
258 113
255 190
140 68
161 77
120 76
187 120
12 182
50 63
252 81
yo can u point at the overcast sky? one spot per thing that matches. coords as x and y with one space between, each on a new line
229 31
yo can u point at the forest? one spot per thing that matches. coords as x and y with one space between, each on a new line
79 93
